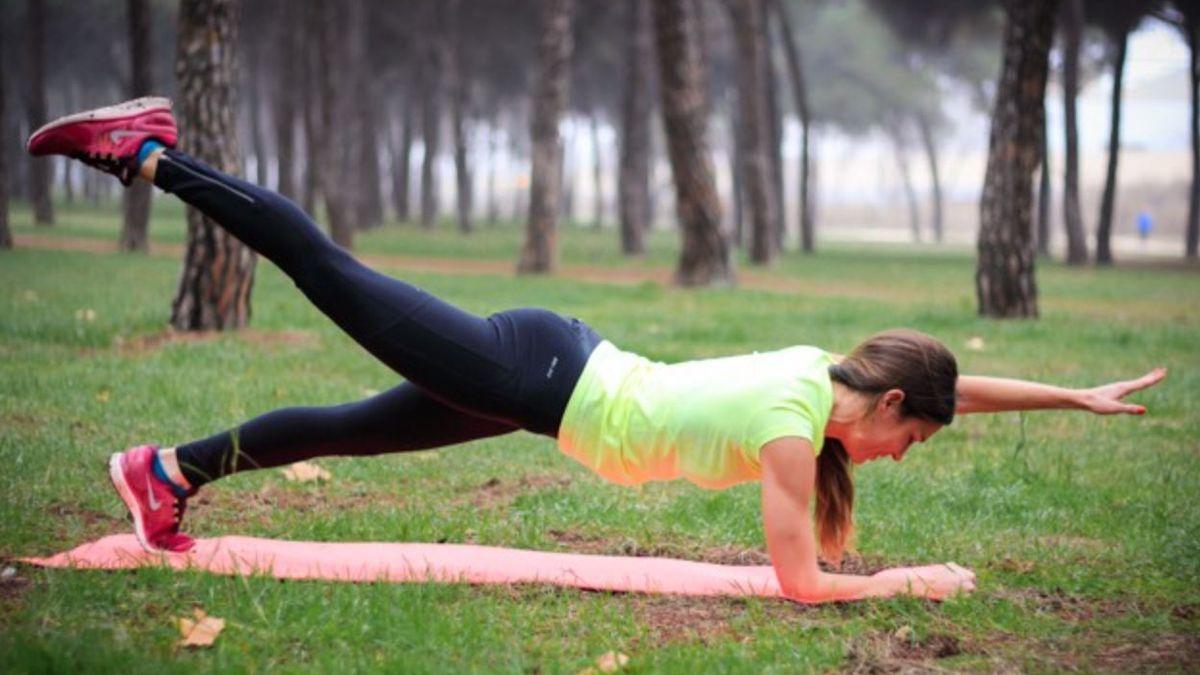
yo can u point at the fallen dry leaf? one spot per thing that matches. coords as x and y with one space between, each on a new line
975 344
611 662
201 631
102 396
306 472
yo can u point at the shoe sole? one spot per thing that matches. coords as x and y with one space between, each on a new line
119 111
117 476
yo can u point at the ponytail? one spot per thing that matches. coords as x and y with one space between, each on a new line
835 502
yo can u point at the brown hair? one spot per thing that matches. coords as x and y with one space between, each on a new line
907 360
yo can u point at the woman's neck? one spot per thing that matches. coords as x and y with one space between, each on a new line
847 410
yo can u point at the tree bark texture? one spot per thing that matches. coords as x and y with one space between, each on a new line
311 60
931 153
757 176
400 159
597 173
1004 280
540 251
1044 196
795 66
41 169
218 270
1192 26
364 178
1077 253
430 132
6 240
337 112
137 197
705 256
286 97
774 127
458 82
900 151
633 181
1104 225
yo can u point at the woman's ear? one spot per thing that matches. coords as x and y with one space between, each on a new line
892 398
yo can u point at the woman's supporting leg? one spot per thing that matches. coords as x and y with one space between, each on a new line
401 419
453 355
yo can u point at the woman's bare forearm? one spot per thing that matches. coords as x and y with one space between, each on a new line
977 394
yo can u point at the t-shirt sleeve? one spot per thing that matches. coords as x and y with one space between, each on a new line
792 419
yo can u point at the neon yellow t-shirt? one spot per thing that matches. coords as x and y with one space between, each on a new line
633 420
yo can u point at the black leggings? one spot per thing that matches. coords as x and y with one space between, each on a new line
467 377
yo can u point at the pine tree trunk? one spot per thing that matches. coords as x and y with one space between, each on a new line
337 134
760 202
1004 279
1077 253
363 164
1043 202
597 174
6 241
400 160
900 150
493 206
800 100
705 256
288 32
430 131
457 79
218 271
136 224
254 109
935 179
774 127
41 169
633 180
540 251
1193 219
1104 226
313 144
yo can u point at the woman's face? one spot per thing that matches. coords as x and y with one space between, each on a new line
885 432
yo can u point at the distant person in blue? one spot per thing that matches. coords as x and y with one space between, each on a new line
1145 223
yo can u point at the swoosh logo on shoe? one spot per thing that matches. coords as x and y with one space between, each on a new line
123 133
154 503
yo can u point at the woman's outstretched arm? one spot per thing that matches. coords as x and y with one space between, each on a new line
976 394
789 476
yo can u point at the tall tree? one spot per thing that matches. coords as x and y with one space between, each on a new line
335 33
41 169
633 181
705 256
5 234
1004 278
1117 18
458 89
1189 25
363 164
402 150
1072 36
757 175
137 197
539 253
218 270
1043 202
795 66
431 97
288 31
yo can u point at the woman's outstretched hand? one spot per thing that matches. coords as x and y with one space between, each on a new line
935 582
1106 399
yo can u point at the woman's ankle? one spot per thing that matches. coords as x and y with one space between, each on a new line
147 159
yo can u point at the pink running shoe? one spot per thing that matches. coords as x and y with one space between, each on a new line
156 510
109 138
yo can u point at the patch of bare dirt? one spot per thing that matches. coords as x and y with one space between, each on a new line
13 587
901 651
671 619
496 493
235 506
1069 607
271 339
18 421
1165 652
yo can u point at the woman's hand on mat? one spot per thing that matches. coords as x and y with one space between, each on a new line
1106 399
935 582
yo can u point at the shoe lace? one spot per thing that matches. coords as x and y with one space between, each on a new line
179 508
109 163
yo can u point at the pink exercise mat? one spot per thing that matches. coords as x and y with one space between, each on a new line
468 563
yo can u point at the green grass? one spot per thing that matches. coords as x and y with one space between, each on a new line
1085 531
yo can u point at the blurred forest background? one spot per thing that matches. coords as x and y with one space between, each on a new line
768 125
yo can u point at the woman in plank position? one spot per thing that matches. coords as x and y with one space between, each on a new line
794 419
